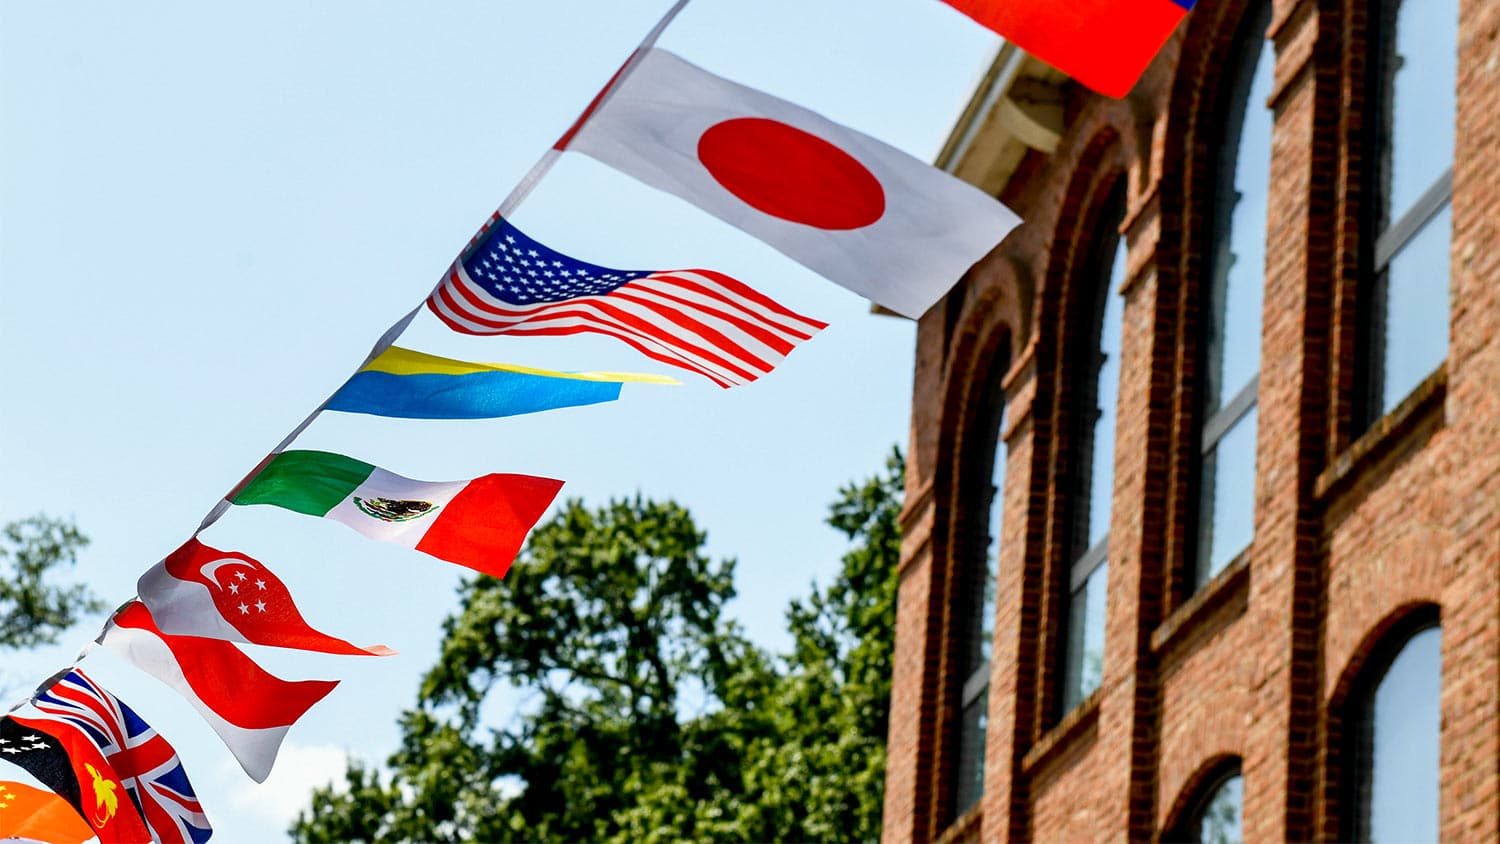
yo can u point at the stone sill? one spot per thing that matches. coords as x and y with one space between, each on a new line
965 828
1055 740
1384 437
1224 588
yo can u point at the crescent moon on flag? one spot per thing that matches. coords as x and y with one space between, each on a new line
210 567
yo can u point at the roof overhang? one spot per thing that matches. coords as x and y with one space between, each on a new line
1017 106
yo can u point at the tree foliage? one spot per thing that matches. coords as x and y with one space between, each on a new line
648 715
33 611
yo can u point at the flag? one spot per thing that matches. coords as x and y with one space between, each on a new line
147 765
860 212
478 523
30 811
1105 44
412 385
202 591
250 708
703 321
67 763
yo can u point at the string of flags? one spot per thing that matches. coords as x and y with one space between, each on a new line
78 765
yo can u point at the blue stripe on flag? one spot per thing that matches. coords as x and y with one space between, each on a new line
478 395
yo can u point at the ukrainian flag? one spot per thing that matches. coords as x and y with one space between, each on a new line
413 385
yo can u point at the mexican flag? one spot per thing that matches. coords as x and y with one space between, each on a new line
478 523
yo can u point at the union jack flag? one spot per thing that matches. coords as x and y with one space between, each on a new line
147 765
700 320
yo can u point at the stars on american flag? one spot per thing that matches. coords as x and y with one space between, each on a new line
700 320
521 271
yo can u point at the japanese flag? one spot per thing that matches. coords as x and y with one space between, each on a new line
857 211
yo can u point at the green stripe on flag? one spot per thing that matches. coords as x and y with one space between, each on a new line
310 482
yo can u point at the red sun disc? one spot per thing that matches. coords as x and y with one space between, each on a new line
791 174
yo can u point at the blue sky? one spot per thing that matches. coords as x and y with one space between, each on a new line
208 214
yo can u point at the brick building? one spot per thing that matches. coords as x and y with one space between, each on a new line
1202 533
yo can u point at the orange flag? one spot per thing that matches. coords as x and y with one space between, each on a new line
27 811
65 760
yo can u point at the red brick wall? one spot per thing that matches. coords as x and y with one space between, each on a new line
1354 530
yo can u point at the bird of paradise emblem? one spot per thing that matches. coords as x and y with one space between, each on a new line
106 802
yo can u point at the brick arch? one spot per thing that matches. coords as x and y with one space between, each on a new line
993 311
1380 644
995 322
1190 137
1099 162
1190 793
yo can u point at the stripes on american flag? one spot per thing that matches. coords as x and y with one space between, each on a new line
147 765
700 320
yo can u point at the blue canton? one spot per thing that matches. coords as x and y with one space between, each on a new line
516 269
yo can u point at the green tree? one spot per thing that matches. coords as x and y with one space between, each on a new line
650 716
33 610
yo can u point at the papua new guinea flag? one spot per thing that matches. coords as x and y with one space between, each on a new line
478 523
412 385
250 708
66 761
202 591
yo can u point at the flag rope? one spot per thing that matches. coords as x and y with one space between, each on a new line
512 201
533 176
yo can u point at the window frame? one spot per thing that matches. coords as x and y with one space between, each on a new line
1356 708
1199 793
1384 239
979 494
1212 427
1106 239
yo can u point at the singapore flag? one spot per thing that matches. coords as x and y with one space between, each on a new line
861 213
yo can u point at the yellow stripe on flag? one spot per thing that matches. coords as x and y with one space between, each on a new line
399 361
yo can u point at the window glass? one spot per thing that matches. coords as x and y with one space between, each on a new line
1227 481
1414 78
1083 643
979 627
982 623
1239 262
1219 821
1415 316
969 784
1420 68
1106 397
1085 649
1226 476
1396 761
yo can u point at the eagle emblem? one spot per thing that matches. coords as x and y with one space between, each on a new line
394 510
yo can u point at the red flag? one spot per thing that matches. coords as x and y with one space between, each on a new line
64 759
250 708
202 591
1105 44
146 764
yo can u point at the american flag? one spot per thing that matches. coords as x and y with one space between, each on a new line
147 765
700 320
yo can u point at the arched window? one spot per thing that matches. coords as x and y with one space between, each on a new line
1412 86
1394 749
1214 817
1230 356
977 594
1093 442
